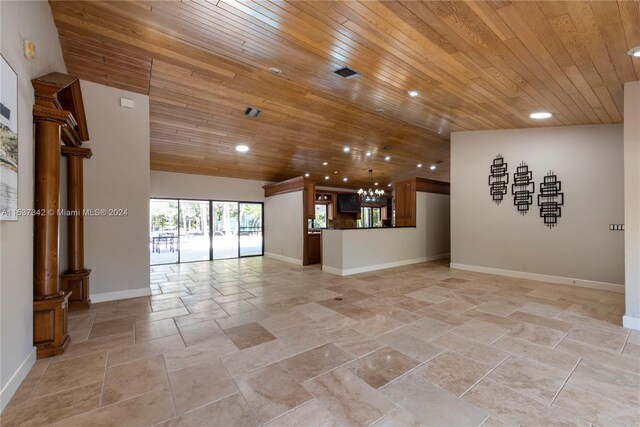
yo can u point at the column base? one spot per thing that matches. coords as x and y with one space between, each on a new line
77 283
50 326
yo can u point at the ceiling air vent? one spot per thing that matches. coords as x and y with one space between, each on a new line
347 73
252 112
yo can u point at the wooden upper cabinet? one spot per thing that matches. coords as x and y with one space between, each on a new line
405 200
405 197
310 195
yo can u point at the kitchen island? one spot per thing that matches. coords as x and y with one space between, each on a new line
358 250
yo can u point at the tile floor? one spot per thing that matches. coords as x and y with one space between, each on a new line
260 342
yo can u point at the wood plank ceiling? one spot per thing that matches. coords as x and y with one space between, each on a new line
477 65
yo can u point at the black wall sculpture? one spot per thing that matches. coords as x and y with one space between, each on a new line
523 188
498 179
550 199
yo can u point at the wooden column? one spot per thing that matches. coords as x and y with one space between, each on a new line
59 116
50 303
76 279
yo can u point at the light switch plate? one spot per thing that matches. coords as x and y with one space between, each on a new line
29 49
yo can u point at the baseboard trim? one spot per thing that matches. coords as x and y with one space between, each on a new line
284 258
16 379
631 322
113 296
383 266
559 280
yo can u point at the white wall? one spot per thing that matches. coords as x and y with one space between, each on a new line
117 177
580 250
22 20
437 225
188 186
283 222
353 251
632 203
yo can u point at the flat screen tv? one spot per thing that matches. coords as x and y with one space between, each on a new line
348 203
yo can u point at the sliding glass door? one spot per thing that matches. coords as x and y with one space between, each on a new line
250 229
194 231
163 239
225 230
202 230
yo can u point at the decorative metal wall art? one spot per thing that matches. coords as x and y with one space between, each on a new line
498 179
550 200
523 188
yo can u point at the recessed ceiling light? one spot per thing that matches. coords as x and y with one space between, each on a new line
388 185
325 163
335 172
387 158
432 167
326 177
419 165
635 52
413 93
375 183
242 148
275 70
379 110
346 149
539 115
306 175
345 179
368 153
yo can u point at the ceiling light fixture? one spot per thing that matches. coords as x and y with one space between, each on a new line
370 195
275 70
379 110
346 149
375 183
325 163
387 158
413 93
432 167
539 115
419 165
326 177
345 179
306 175
368 153
388 185
242 148
635 52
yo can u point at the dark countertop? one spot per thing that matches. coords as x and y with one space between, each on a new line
367 228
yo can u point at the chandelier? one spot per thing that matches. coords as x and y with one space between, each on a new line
370 195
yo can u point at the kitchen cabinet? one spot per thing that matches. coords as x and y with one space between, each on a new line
404 196
310 198
315 248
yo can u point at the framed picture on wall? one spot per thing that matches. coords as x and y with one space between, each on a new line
8 142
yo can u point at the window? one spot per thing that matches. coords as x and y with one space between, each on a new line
369 217
320 220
